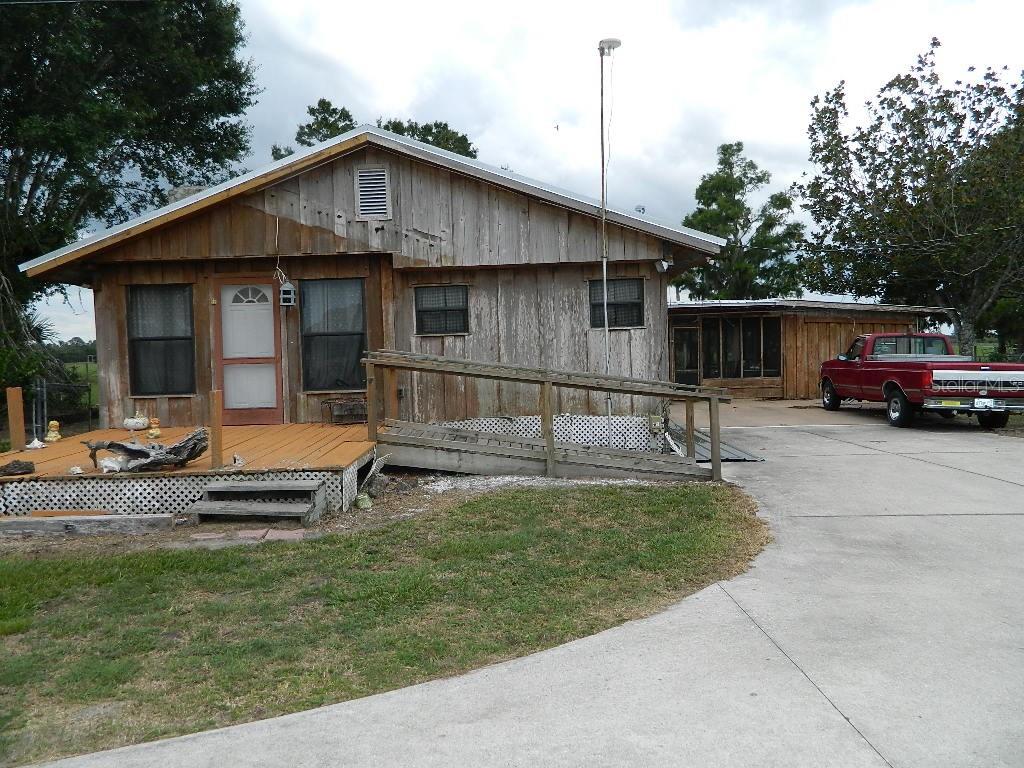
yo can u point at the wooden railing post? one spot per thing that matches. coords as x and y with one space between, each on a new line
371 403
390 393
716 445
216 429
691 444
16 418
547 425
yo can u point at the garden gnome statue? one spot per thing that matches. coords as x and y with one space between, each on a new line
154 428
52 432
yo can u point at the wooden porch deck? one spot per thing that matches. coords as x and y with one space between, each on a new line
275 447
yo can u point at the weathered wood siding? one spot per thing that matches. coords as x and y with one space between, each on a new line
534 316
538 316
526 262
111 284
809 340
439 219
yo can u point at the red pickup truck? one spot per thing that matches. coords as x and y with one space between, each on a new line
915 372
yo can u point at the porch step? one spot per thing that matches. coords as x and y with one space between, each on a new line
299 509
304 499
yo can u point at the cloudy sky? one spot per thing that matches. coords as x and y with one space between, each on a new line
523 81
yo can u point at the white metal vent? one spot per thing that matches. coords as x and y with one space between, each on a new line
373 194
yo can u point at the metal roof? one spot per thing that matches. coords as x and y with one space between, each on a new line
349 142
805 304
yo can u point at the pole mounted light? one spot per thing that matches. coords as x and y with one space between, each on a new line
605 48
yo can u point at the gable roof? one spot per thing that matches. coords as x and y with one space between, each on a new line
349 142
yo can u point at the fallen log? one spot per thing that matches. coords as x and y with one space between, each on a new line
137 457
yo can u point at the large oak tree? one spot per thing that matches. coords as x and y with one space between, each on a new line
103 106
924 202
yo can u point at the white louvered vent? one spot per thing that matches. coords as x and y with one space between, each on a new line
373 194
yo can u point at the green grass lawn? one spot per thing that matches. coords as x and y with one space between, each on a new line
104 650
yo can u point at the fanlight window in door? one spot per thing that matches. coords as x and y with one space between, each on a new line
250 294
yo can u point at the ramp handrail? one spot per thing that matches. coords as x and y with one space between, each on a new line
389 361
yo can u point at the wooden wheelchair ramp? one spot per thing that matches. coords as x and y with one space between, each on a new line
436 446
456 448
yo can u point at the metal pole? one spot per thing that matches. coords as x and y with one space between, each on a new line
604 257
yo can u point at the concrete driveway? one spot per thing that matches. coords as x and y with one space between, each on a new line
883 627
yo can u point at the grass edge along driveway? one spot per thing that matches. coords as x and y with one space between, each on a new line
105 650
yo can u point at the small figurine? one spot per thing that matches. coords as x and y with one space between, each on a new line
136 422
53 432
154 429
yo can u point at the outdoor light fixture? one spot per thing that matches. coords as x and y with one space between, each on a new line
662 265
286 294
608 45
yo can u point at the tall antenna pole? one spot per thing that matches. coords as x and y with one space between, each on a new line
605 48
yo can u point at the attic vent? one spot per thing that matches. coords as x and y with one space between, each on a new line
373 195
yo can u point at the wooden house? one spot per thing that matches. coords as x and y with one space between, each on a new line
273 285
773 348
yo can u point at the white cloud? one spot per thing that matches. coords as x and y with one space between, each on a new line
689 76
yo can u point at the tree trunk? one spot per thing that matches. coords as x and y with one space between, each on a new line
965 334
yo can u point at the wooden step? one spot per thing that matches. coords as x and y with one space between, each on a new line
304 510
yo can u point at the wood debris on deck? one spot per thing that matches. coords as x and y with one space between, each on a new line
280 446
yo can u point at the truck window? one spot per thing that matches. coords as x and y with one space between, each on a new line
929 346
856 349
910 345
885 346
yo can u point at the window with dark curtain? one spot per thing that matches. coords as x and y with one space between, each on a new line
333 334
752 346
711 348
772 345
442 309
161 340
625 303
731 344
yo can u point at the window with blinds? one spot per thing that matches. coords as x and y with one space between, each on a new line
161 340
625 303
333 314
442 309
373 194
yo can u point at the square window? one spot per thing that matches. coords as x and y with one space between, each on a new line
625 303
442 309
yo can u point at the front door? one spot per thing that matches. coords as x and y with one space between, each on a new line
686 357
250 372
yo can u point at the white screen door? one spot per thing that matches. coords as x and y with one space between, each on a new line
248 353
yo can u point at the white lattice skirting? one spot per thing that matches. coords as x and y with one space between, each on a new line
127 495
631 433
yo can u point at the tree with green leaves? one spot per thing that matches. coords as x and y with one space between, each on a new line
437 133
327 121
757 261
924 202
103 107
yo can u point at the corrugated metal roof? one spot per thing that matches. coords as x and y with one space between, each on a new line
805 304
319 153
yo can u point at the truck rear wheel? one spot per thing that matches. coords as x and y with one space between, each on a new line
993 420
898 410
829 397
